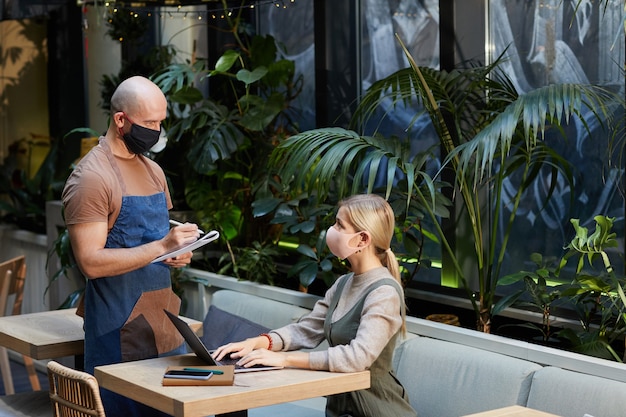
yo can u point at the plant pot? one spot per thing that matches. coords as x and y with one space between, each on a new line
451 319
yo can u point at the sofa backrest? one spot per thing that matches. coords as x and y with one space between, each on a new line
269 313
446 379
574 394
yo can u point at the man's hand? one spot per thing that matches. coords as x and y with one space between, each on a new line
179 261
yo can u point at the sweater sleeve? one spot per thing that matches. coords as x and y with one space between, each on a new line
306 333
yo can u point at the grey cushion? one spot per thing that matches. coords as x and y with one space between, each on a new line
573 394
445 379
268 313
220 327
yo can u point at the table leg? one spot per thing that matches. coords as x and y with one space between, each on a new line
79 362
242 413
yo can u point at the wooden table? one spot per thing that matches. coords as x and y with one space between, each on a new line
141 381
49 334
513 411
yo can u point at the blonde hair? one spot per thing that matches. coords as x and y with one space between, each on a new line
372 213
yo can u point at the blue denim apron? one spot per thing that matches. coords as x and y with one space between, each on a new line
124 318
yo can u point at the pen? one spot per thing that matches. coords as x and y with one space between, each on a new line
175 223
215 371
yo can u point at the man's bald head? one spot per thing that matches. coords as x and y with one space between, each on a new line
134 94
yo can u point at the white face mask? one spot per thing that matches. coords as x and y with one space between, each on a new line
160 145
338 243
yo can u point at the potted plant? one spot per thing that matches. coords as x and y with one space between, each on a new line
590 289
597 292
489 133
219 143
538 294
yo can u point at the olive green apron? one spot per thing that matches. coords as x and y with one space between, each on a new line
386 395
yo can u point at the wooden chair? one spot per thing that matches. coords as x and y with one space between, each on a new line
73 393
12 277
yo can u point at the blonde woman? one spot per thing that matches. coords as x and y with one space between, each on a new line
360 316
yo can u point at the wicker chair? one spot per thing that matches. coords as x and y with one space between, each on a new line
73 393
12 276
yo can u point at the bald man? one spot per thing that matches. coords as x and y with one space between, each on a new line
116 210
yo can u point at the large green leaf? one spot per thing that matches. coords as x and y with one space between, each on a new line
186 95
225 62
261 112
250 77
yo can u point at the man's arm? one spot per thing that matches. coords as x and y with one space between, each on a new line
96 261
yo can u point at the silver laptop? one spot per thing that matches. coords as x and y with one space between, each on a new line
203 353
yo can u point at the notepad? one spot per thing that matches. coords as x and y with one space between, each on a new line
227 377
207 238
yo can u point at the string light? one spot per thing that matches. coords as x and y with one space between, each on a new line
178 9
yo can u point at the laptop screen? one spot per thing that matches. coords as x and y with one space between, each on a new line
192 339
201 350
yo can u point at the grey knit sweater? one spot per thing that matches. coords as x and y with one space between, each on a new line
380 320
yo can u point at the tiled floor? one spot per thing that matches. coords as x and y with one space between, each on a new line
20 379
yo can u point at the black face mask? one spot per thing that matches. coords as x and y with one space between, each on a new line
140 139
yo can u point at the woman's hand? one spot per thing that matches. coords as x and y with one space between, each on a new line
254 351
263 357
238 349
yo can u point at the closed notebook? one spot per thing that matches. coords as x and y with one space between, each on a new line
226 378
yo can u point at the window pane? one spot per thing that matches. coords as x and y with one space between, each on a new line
417 25
548 43
292 26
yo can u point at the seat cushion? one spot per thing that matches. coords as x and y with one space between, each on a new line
269 313
220 327
445 379
573 394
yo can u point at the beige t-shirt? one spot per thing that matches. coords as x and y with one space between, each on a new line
93 192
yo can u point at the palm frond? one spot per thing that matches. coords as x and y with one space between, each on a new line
314 159
535 111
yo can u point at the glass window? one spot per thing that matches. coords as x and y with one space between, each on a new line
548 42
292 26
417 24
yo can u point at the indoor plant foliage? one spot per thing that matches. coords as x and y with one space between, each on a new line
489 133
26 196
539 294
597 292
590 288
219 142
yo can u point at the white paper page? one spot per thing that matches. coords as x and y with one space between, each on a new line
207 238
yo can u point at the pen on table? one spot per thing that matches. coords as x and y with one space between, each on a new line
175 223
214 371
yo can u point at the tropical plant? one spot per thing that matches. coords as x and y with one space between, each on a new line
219 144
539 294
489 134
26 196
597 293
303 221
61 251
255 263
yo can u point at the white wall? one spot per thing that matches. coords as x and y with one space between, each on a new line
182 30
103 56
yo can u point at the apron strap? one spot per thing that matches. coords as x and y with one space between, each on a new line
116 168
